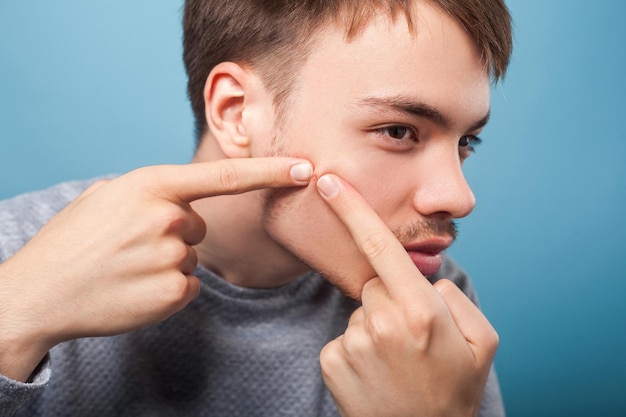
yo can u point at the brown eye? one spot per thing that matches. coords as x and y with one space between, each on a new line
396 137
398 132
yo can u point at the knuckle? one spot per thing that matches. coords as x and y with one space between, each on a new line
175 292
487 342
330 359
374 245
355 343
172 217
491 340
328 353
190 263
172 253
372 286
422 318
197 228
495 340
179 253
228 177
143 175
421 324
356 317
146 180
382 328
181 288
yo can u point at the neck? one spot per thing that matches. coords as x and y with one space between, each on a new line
237 247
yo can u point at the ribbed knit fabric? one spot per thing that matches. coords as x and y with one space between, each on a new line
232 352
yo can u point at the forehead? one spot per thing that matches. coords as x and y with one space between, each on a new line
433 61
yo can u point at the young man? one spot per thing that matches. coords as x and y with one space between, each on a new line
332 137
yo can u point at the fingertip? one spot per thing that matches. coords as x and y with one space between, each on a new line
301 172
328 186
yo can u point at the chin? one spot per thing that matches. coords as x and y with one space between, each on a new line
347 273
347 276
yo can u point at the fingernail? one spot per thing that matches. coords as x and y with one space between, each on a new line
328 186
301 172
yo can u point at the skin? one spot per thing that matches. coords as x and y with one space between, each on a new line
412 348
119 257
337 123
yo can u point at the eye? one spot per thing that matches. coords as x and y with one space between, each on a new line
467 145
398 132
396 137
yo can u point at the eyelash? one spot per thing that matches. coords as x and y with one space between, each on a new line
466 142
472 141
386 132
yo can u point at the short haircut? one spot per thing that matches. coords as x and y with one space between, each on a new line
275 36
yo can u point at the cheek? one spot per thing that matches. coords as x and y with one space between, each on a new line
383 180
302 223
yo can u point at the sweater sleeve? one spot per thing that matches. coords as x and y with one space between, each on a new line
492 404
14 394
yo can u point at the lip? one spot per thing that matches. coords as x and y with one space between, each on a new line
427 254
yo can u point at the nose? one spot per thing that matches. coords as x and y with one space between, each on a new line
443 189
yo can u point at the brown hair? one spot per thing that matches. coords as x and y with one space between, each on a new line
274 36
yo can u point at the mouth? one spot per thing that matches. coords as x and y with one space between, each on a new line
427 255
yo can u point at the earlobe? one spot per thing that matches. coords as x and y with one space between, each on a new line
225 100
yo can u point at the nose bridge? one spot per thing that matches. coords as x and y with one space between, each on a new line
443 188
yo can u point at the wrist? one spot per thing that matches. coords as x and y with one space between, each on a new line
22 344
20 356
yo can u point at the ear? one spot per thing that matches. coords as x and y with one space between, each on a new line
225 101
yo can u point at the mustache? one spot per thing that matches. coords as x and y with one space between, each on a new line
426 228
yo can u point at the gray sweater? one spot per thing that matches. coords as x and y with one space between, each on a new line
232 352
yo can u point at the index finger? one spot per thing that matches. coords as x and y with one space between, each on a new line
374 239
230 176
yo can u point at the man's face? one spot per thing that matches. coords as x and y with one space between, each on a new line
394 114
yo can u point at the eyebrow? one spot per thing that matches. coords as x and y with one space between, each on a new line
405 105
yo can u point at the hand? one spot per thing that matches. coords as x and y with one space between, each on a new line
117 258
412 349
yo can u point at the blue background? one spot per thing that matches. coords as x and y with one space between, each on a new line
88 88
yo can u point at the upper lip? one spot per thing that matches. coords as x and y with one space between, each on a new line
432 246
